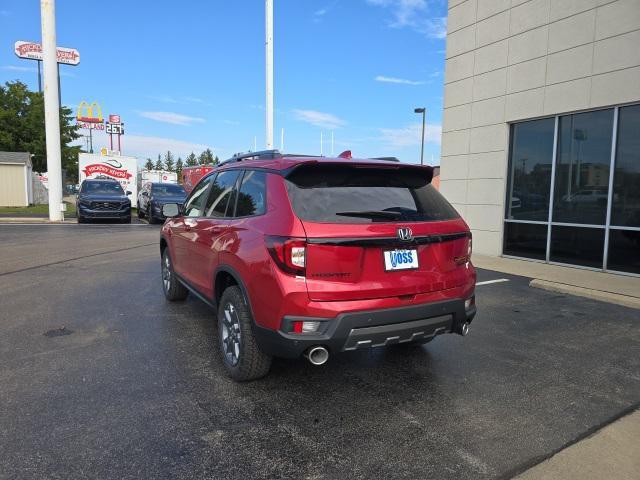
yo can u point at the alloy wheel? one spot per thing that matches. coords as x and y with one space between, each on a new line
166 273
231 334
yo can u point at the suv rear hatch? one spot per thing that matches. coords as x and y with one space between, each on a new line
376 230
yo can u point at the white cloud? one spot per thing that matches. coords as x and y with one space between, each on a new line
171 117
319 119
410 135
320 12
404 81
414 14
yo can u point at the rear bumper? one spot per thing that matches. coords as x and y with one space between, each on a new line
371 328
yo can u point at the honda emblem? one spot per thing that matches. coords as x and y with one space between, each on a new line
405 234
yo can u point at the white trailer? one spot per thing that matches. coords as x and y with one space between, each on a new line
156 176
121 168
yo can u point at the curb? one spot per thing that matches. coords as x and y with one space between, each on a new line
624 300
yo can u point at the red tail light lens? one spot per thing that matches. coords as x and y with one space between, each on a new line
288 253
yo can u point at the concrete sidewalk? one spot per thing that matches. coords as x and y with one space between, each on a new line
606 287
612 452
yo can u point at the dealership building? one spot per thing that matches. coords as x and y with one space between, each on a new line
541 129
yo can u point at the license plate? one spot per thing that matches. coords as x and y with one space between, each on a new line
400 259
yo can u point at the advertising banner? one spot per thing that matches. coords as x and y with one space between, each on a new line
123 169
33 51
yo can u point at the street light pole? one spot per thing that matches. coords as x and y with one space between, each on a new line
51 107
269 70
423 112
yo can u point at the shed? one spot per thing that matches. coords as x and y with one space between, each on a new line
15 179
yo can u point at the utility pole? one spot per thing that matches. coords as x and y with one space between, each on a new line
269 72
423 112
321 143
282 140
332 143
51 108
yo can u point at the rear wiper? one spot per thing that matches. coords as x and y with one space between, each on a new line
371 214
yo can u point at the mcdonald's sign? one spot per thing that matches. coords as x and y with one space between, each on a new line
86 112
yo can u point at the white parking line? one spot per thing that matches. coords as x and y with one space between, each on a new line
487 282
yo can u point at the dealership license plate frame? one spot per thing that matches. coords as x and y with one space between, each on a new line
388 266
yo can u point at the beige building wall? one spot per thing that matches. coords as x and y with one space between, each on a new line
13 185
512 60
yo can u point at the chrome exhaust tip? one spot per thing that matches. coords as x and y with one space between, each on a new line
463 329
317 355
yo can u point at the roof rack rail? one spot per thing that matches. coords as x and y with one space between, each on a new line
387 159
262 154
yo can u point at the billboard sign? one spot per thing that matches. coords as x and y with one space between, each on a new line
122 169
33 51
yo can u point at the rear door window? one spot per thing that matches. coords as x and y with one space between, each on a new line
252 194
222 198
349 194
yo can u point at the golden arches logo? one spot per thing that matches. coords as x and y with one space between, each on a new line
85 112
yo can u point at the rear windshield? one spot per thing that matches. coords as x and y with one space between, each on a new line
329 194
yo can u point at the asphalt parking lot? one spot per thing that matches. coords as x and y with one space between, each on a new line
100 377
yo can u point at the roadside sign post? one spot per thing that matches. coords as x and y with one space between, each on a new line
33 51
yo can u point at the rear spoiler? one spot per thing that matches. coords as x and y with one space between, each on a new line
422 173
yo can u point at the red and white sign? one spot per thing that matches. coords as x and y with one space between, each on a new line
114 118
33 51
123 169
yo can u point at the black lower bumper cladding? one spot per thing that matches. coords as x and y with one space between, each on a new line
365 329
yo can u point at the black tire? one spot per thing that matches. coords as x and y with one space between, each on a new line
140 214
151 219
81 219
125 220
174 291
241 355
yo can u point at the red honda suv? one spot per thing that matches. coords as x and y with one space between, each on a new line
304 255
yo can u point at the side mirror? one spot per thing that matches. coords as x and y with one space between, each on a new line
170 210
128 192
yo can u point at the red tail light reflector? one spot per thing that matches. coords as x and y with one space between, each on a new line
288 253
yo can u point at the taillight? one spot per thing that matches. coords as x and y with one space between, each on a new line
462 259
288 253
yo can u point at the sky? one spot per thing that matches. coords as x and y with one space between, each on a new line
189 75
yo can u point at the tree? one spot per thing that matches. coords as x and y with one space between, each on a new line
206 157
216 161
169 164
22 128
179 166
191 160
158 165
149 164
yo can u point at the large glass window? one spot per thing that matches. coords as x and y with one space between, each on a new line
624 251
582 168
578 187
625 210
577 245
530 160
527 240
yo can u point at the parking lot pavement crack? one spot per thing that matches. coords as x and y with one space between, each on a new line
108 252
